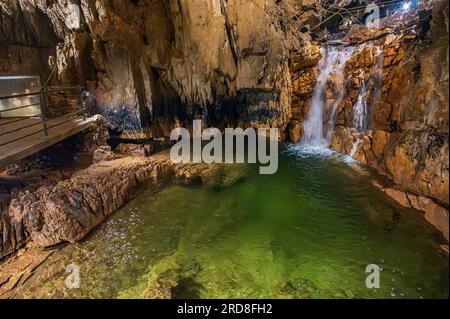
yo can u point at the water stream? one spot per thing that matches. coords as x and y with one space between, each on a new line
319 124
329 92
367 98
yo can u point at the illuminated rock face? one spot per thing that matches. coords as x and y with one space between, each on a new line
153 64
412 116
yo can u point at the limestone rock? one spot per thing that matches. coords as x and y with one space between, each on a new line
407 139
158 64
295 130
70 209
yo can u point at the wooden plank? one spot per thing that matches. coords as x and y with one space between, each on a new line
30 145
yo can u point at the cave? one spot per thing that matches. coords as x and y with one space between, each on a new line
96 98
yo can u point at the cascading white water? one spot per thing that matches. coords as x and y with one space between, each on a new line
360 109
360 114
319 124
367 98
355 147
368 95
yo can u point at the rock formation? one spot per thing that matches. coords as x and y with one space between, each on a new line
155 64
68 210
407 134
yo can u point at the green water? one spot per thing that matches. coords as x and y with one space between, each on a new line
307 232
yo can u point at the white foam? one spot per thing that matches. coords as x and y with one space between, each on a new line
304 151
313 151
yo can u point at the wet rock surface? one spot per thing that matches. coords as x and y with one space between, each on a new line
68 210
20 268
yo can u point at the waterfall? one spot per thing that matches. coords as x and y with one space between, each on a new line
367 98
368 95
355 147
360 110
360 114
319 124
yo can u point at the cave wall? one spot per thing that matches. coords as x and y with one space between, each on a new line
407 139
27 40
153 65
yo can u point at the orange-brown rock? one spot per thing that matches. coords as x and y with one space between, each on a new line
408 135
416 160
295 130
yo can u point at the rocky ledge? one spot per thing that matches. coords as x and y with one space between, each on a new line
69 210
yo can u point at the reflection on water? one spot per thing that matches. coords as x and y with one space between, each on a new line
307 232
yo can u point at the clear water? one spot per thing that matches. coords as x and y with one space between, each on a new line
307 232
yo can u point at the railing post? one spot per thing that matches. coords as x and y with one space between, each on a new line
83 111
42 107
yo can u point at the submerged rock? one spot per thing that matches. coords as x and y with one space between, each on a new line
170 278
216 176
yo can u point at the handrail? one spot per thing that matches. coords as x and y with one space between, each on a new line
23 118
44 115
39 93
19 108
38 123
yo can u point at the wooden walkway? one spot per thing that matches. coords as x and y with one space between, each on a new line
23 142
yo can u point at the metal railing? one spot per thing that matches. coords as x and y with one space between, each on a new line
61 102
